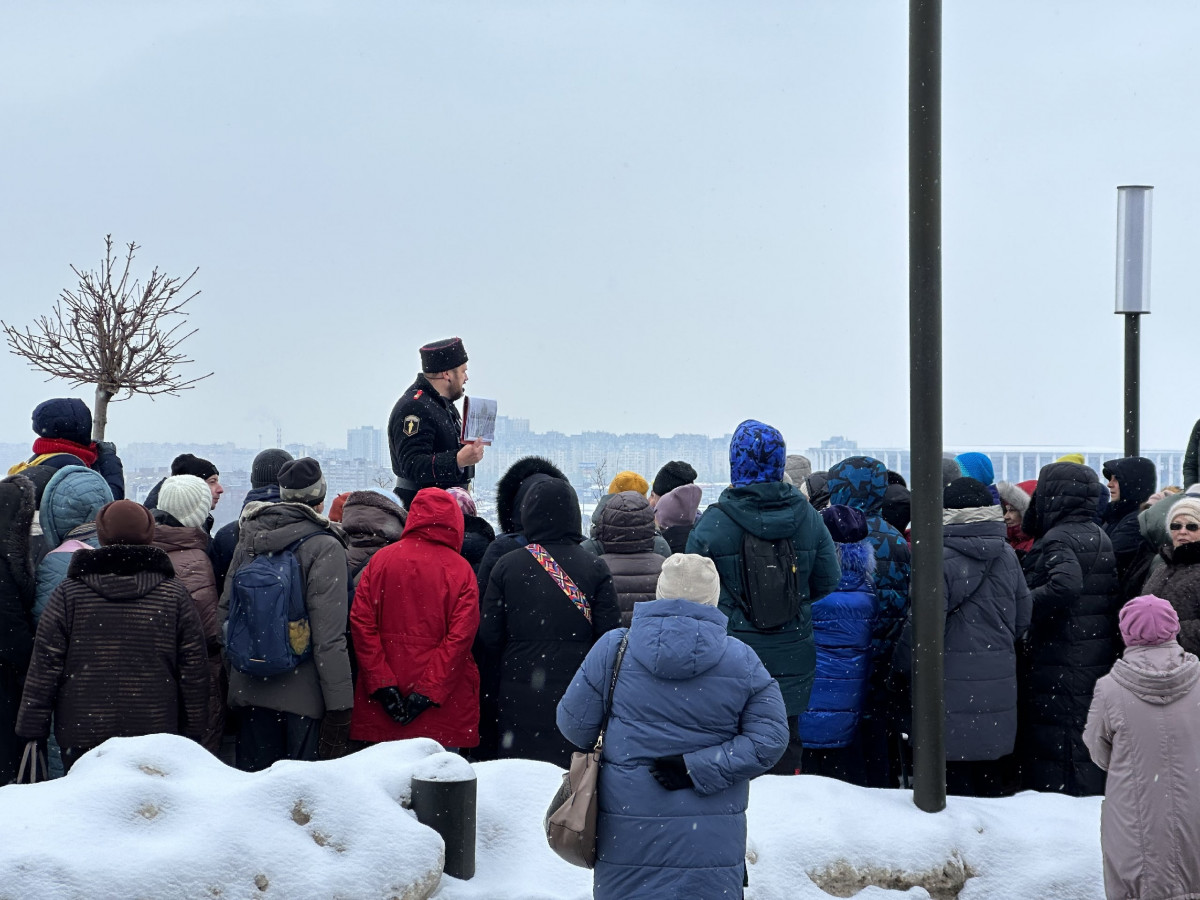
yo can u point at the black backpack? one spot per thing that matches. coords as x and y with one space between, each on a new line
770 595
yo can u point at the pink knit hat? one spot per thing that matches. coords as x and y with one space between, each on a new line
465 501
1148 620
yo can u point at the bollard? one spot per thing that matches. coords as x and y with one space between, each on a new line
448 807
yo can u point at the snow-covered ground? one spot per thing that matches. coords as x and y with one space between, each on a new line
159 817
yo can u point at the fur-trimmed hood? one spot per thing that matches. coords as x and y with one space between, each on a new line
370 517
1012 495
121 571
507 511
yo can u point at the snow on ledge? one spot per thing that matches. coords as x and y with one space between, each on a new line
159 816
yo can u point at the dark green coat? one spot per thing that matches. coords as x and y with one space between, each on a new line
771 511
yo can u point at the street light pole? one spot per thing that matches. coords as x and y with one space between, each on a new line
1134 207
925 399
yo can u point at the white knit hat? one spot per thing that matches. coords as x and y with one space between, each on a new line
687 576
187 498
1188 507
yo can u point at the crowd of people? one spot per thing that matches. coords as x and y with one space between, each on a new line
768 633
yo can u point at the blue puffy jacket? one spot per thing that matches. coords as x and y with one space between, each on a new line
842 624
71 500
685 688
861 482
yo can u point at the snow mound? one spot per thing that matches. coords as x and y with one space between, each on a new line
159 816
813 838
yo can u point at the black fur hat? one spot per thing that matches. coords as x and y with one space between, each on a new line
510 483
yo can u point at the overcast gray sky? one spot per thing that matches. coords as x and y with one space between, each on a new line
640 216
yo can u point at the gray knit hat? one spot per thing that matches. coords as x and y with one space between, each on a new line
688 576
301 481
187 498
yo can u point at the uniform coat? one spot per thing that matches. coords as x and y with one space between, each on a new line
1144 730
423 436
771 510
532 637
626 529
119 653
323 680
187 548
685 688
414 618
1074 637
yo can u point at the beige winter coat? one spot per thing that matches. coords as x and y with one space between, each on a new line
1144 729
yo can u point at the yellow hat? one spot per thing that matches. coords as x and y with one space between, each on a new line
629 481
1072 457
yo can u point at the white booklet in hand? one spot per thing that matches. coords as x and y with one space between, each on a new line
479 420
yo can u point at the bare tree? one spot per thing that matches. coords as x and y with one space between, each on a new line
113 333
599 483
384 478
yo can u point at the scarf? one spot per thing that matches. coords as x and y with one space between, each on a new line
87 454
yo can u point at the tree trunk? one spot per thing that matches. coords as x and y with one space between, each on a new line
100 413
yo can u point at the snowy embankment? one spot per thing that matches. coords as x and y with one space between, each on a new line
160 817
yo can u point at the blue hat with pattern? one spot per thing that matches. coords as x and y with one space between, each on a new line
757 454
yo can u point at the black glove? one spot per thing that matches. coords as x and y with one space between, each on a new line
671 772
335 734
393 703
103 448
417 704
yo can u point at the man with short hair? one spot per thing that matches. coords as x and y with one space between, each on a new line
303 713
190 464
425 427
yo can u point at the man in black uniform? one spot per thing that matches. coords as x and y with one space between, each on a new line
425 428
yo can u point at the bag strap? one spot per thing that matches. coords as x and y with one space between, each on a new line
31 760
612 686
562 579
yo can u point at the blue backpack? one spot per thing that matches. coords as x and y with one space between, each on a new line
267 632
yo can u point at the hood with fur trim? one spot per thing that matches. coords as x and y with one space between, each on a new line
858 565
507 511
1012 495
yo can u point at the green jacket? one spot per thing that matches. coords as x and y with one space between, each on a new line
771 511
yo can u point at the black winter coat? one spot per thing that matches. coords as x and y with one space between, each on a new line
1178 582
1191 458
988 609
626 529
1074 638
477 537
532 638
17 506
510 494
1138 478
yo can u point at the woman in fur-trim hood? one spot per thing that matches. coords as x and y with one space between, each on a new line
1014 501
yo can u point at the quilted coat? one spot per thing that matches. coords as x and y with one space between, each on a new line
685 688
626 530
1073 638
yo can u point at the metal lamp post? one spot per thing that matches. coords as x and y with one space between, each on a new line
925 399
1134 204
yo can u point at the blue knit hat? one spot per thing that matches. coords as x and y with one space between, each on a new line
977 466
757 454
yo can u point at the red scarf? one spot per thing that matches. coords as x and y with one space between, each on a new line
57 445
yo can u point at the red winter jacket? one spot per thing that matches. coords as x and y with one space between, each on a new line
413 621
